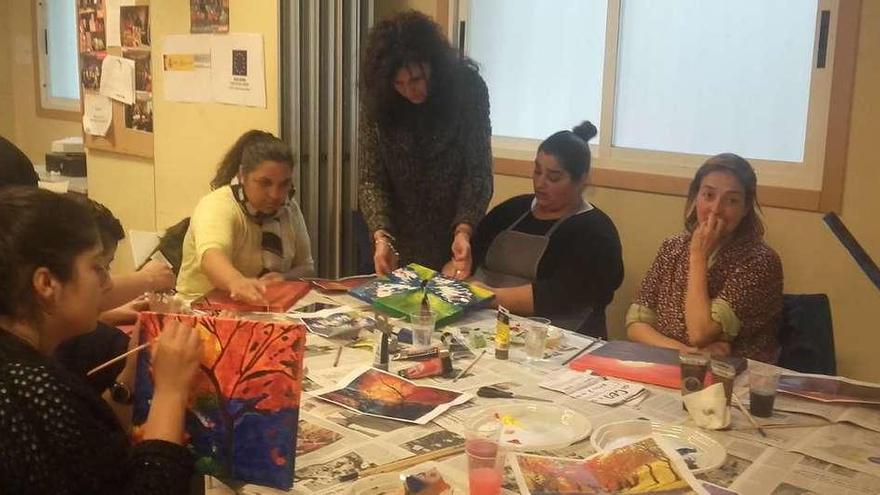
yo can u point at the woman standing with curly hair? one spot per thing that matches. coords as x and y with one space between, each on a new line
425 153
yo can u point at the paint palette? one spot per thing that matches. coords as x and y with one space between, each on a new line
700 452
530 426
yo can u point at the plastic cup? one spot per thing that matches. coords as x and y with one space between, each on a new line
762 391
724 373
485 457
693 372
536 337
422 329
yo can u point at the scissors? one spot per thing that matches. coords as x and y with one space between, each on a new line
497 393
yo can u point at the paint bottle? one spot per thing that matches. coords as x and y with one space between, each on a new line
502 334
438 366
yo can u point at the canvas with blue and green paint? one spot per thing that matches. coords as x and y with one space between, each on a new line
401 292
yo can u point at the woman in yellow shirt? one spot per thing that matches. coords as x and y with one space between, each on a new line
248 231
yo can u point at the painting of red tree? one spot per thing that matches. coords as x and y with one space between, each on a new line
380 393
242 416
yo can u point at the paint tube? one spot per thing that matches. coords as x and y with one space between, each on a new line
438 366
416 354
502 334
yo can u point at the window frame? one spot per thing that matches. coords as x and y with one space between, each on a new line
48 106
818 186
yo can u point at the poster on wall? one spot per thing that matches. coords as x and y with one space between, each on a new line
97 114
237 70
91 27
209 16
134 26
186 67
90 70
139 116
117 78
111 20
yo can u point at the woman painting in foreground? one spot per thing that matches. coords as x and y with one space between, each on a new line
716 286
56 434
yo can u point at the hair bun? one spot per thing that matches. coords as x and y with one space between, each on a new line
585 130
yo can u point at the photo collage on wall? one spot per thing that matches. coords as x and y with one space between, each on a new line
91 28
133 25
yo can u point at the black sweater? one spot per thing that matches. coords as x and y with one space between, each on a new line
582 266
58 436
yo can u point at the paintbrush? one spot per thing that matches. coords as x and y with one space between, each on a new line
338 355
403 463
464 371
742 408
585 349
119 358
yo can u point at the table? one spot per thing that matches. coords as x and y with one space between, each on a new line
756 465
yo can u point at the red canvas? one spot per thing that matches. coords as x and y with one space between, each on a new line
280 296
639 363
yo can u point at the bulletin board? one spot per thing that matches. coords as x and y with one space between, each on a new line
105 28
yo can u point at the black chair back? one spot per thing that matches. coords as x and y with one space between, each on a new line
807 336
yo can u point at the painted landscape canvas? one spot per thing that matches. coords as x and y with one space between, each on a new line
640 467
241 421
401 292
386 395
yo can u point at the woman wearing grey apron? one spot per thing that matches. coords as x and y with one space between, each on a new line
552 253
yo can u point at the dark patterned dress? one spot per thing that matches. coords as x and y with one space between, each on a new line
745 288
418 180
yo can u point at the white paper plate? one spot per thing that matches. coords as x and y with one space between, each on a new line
531 426
700 451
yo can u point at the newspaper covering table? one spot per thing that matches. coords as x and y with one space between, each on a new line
826 455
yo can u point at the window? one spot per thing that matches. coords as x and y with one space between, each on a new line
56 50
670 82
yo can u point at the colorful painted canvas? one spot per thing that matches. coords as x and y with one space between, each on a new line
280 296
641 467
241 421
640 363
401 292
386 395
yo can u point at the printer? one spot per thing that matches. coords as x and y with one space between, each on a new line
67 157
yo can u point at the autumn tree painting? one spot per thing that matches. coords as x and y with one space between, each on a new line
383 394
243 412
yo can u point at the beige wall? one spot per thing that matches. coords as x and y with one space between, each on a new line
814 261
19 121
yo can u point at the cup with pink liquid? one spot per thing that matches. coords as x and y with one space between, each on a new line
485 457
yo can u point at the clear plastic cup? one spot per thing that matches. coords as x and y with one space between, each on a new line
422 329
536 337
